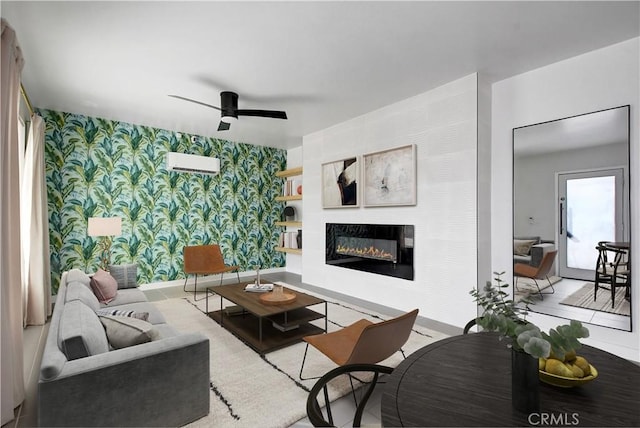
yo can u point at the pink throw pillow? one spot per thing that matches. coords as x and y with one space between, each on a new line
104 286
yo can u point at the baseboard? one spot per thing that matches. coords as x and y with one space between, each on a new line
209 280
391 312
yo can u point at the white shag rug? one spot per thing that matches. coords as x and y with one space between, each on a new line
249 390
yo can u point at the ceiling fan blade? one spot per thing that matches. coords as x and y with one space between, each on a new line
274 114
195 101
223 126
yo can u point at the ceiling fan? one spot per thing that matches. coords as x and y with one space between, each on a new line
229 110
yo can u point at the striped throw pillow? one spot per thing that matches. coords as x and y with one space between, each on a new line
121 313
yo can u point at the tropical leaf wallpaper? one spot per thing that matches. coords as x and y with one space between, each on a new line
102 168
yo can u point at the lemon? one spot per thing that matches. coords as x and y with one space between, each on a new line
583 364
577 371
542 362
557 367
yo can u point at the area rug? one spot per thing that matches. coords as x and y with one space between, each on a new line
583 298
527 287
249 390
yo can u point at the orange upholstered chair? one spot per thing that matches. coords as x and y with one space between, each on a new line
363 342
205 260
537 272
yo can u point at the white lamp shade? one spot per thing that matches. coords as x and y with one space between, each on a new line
105 226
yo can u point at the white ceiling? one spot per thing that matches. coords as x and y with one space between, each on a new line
571 133
322 62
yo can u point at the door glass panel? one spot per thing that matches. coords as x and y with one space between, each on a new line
590 218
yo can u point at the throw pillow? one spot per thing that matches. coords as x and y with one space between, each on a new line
104 286
522 247
144 316
125 275
123 331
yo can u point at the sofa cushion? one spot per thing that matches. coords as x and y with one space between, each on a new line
80 332
165 331
125 275
78 291
104 286
78 275
124 331
522 259
522 247
125 297
528 238
144 316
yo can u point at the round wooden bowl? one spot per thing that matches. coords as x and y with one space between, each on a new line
277 298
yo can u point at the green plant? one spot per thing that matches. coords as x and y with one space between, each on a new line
504 315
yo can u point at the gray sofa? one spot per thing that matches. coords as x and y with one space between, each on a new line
85 382
531 249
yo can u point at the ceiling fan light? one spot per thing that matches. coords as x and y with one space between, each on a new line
228 119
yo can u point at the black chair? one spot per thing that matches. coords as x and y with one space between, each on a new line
469 325
314 411
612 269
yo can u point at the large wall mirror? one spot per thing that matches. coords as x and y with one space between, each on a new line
571 217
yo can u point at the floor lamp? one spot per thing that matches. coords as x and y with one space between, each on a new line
105 227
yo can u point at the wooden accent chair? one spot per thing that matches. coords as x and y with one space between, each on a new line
362 342
613 270
204 260
521 270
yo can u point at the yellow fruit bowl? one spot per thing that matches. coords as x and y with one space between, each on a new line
567 382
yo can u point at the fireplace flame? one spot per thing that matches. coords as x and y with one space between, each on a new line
369 252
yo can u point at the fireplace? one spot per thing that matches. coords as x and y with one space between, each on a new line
384 249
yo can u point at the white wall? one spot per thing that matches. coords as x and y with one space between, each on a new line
597 80
442 124
535 176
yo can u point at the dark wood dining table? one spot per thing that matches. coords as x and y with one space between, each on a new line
466 381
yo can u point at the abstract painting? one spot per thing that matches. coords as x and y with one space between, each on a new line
340 183
390 177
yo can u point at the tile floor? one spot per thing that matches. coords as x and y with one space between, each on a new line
550 305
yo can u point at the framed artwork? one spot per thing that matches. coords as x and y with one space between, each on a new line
340 183
390 177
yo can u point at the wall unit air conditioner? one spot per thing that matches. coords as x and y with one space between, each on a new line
180 162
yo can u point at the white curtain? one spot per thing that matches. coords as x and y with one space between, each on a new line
11 366
37 285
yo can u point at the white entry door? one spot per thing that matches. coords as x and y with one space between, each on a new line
590 207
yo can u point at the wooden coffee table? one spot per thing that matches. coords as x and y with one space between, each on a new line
267 327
